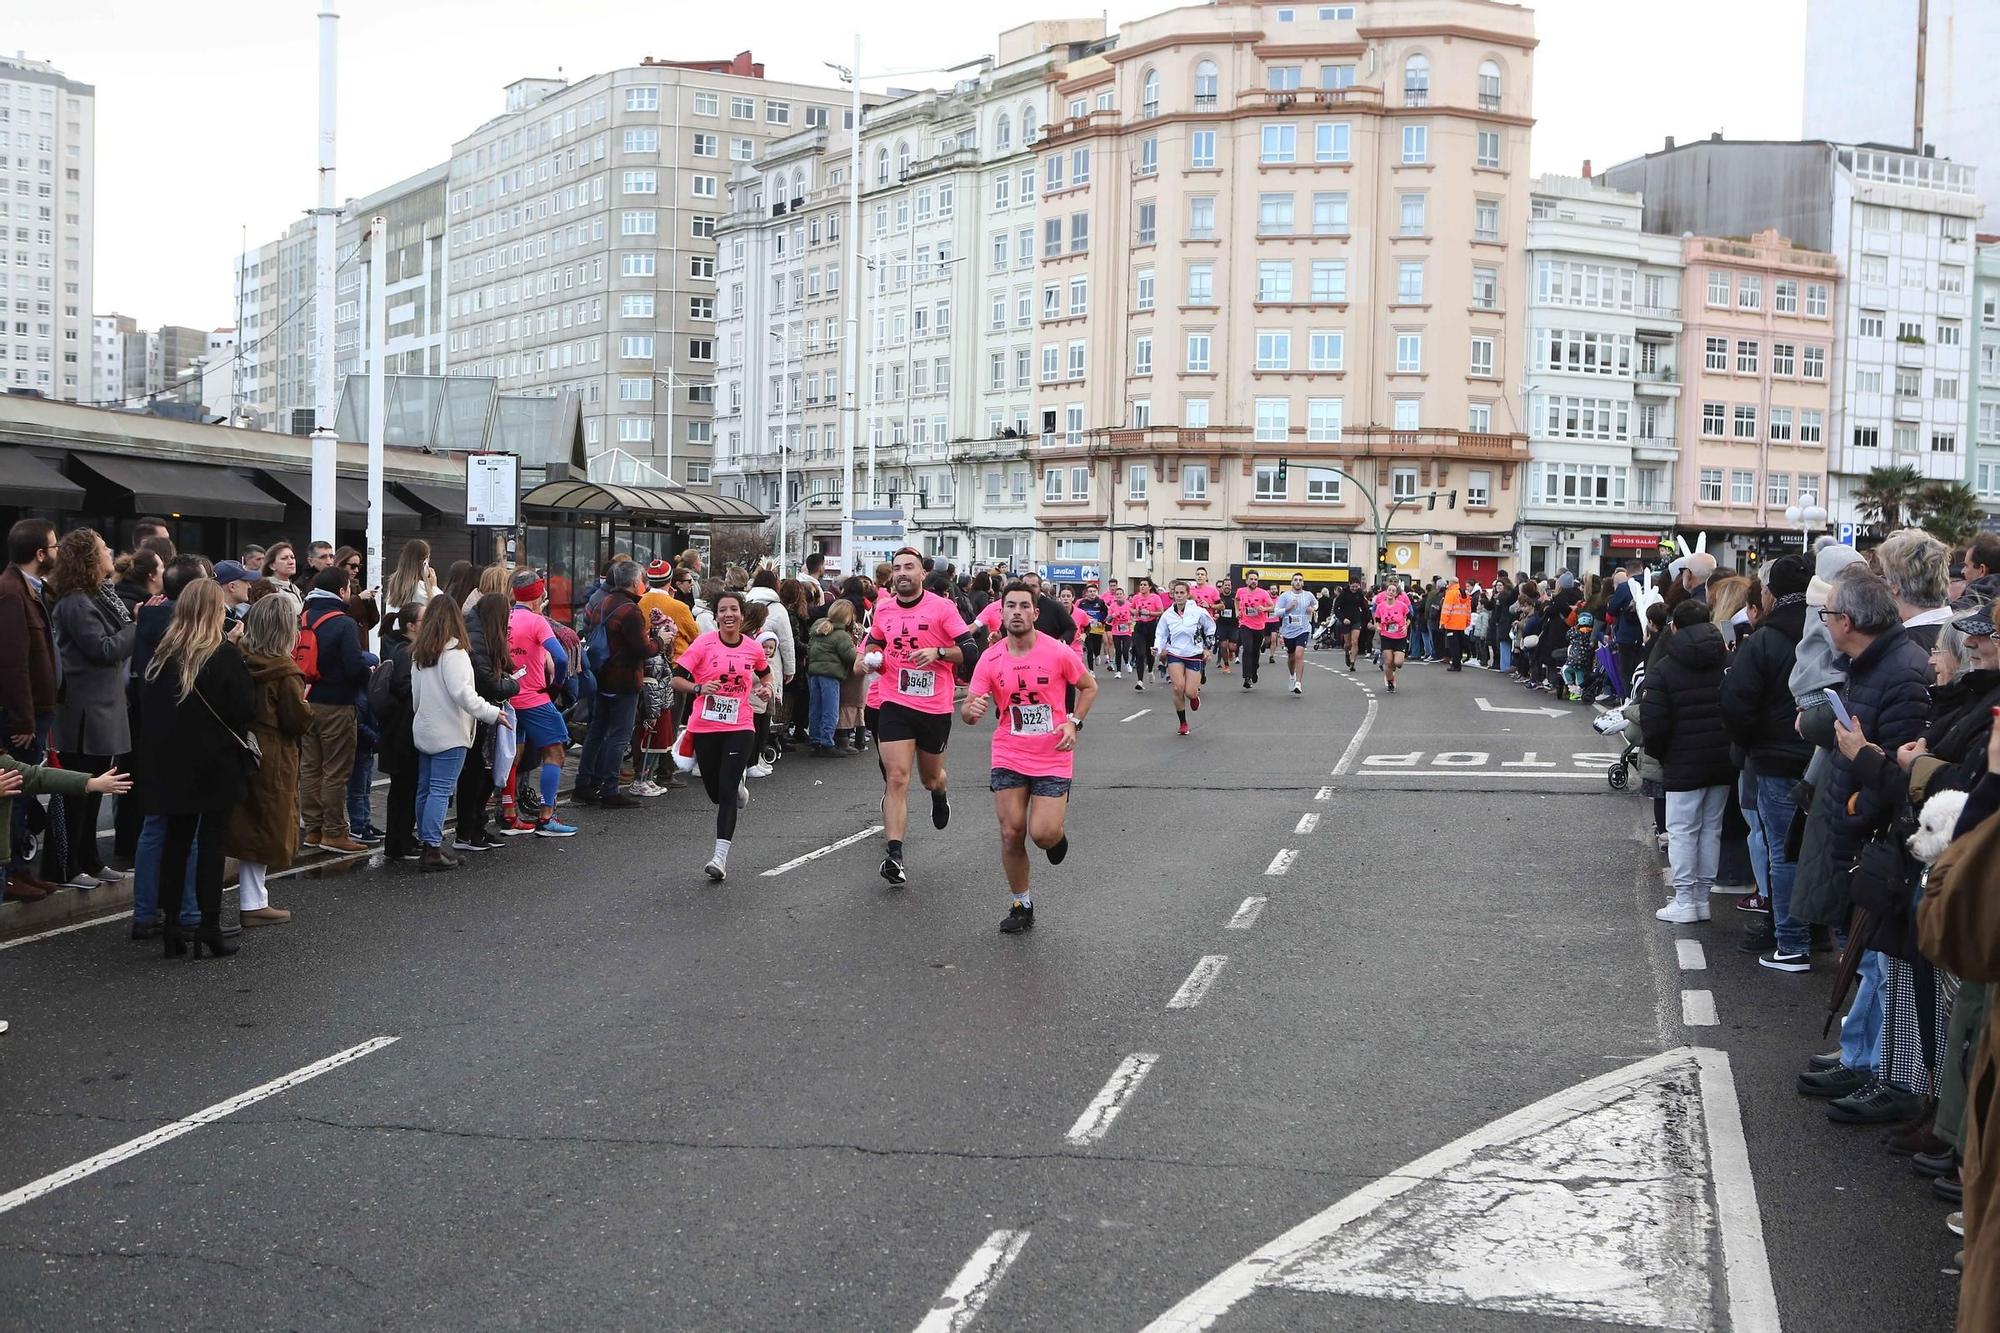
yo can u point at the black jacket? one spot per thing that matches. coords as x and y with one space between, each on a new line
1681 711
1888 693
1757 703
188 762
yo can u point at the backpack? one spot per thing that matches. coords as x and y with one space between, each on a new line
305 653
597 648
381 700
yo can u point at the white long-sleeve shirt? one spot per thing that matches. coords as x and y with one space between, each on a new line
1184 633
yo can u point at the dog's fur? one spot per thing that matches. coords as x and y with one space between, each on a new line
1934 825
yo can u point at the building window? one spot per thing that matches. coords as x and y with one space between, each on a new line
1742 487
1718 292
1409 353
1197 353
1201 284
1407 412
1416 144
636 346
638 222
1268 488
1274 214
1329 214
1746 356
1750 292
1324 350
1781 425
1147 229
1274 281
1284 78
1274 349
1784 360
1201 216
1143 296
1201 149
1711 486
1323 426
1280 143
708 104
1329 280
743 108
1194 476
1482 357
1785 296
1417 81
1488 148
1813 364
1194 413
643 99
1331 142
703 187
1715 354
1778 489
1744 421
1486 219
647 141
640 182
1052 485
1192 550
1944 442
1486 288
1149 94
1478 490
1403 485
1142 355
1410 282
1411 215
1207 85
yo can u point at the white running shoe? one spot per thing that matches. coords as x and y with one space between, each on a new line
1679 912
715 869
1296 687
648 788
742 796
758 771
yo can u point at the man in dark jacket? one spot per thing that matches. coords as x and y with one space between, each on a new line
28 677
1681 715
326 751
1628 635
630 640
1762 716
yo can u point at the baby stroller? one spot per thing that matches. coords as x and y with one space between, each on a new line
1327 636
1619 775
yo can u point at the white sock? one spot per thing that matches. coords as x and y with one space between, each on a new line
1023 900
721 856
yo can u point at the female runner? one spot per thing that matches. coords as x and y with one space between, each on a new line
1184 633
724 670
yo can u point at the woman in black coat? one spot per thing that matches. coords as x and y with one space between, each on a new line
196 709
1681 715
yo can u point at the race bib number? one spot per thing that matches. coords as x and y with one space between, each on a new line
916 684
1033 719
721 708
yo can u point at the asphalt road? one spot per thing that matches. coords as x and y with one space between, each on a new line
619 1096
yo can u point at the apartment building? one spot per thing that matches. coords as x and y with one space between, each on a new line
1603 386
1298 235
48 155
175 354
274 369
1983 402
1899 227
414 210
107 358
1760 335
581 242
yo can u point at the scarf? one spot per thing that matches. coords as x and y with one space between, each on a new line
1789 599
112 605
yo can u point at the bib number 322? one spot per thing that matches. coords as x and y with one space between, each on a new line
1033 719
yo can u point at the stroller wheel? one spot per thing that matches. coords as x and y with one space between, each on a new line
1618 775
768 756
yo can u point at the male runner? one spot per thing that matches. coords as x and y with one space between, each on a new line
1296 609
914 634
1185 632
1253 619
1034 740
1203 593
1350 612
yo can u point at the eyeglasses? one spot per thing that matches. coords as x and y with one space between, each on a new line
1827 613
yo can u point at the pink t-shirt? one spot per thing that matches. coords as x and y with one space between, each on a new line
1147 607
1029 708
734 669
989 616
1253 606
1206 596
933 622
1392 615
1118 615
528 635
1083 624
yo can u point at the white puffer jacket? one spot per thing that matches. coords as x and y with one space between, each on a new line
447 704
779 622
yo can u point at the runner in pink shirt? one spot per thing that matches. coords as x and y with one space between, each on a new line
1118 619
913 641
1392 626
1253 619
722 671
1203 593
1028 674
1146 607
1079 617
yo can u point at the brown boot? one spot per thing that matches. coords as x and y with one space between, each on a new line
264 916
342 843
21 889
437 858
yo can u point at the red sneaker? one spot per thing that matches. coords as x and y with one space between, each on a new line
1195 703
1184 730
514 827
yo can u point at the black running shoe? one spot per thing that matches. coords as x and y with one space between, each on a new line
1059 851
1018 919
892 870
940 809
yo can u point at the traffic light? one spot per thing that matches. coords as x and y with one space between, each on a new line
1284 469
1754 558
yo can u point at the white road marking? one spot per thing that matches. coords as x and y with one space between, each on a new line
1698 1009
1488 706
1198 981
830 848
1246 915
1095 1122
1360 736
64 930
1746 1264
1307 823
1692 959
1282 861
974 1283
1587 1205
1136 716
1323 794
1410 770
90 1166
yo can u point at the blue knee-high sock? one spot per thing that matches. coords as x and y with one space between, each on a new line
551 779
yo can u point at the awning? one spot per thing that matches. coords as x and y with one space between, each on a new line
598 498
446 500
32 484
193 489
350 497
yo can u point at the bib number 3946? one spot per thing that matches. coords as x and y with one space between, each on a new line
720 708
916 684
1033 719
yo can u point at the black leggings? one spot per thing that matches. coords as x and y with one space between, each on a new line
1251 641
1142 647
81 814
204 833
475 787
1093 645
723 755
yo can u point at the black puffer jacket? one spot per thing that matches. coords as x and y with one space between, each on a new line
1681 710
1888 694
1757 703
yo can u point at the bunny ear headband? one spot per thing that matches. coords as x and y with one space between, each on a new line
1700 547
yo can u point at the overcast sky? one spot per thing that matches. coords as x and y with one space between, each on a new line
206 112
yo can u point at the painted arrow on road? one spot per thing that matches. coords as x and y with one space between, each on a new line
1487 706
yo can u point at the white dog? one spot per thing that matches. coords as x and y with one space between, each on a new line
1934 826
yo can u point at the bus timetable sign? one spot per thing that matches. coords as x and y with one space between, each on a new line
492 490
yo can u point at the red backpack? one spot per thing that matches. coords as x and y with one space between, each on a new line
305 653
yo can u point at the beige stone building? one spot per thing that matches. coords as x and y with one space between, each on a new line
1280 272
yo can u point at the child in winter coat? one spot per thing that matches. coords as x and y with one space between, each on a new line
1576 666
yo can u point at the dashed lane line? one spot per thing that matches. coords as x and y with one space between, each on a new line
1307 823
1198 981
975 1282
1323 794
1136 716
1698 1009
1246 915
131 1148
827 850
1282 862
1690 955
1096 1120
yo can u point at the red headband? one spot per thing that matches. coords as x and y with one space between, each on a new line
531 592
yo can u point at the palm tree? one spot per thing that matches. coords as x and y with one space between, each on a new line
1949 512
1888 498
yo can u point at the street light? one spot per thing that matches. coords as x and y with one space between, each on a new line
784 337
1806 515
670 380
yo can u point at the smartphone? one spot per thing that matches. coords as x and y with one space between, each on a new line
1839 708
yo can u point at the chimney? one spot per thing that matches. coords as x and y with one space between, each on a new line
1716 137
1586 168
1670 143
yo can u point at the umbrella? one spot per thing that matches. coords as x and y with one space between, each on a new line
1607 662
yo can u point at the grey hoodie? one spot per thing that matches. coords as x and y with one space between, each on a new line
1818 663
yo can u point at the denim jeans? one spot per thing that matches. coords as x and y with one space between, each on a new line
1776 871
1746 801
612 717
825 708
437 778
1694 839
146 875
1506 647
1861 1029
360 786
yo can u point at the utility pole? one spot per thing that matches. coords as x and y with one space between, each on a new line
378 386
325 443
850 418
1923 53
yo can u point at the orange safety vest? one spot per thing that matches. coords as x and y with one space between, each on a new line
1456 613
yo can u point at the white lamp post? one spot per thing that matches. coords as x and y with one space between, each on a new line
1806 516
